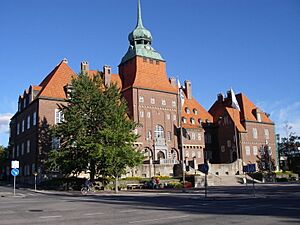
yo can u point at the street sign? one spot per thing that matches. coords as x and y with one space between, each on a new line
249 168
204 168
15 164
15 172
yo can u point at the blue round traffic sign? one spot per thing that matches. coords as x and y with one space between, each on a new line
15 172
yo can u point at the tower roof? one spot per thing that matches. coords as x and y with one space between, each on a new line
140 40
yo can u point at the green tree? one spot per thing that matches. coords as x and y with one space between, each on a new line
117 138
3 154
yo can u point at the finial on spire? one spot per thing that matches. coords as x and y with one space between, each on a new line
139 19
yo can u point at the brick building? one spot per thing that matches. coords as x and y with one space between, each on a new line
156 104
240 133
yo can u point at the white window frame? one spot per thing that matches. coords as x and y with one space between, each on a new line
141 99
59 116
34 119
152 101
255 150
267 134
148 114
28 146
173 104
22 148
23 125
28 122
141 114
248 150
254 132
163 102
18 128
168 116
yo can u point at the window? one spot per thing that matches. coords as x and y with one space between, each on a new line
254 131
18 150
200 121
270 150
28 146
192 121
195 111
28 122
18 128
169 136
247 148
23 125
157 62
258 117
135 131
183 119
254 150
222 148
59 117
149 135
228 143
151 61
159 132
208 138
168 116
33 168
193 154
55 143
13 152
148 114
141 114
141 99
174 117
152 101
173 103
193 136
163 102
199 136
144 59
187 110
267 135
34 119
22 148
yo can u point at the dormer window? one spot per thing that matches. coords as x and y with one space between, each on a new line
195 111
192 121
187 110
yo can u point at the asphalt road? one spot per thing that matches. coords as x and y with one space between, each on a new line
272 204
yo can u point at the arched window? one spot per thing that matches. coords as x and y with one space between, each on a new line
183 119
159 132
200 121
187 110
160 155
195 111
192 121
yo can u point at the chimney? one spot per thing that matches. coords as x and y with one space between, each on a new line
107 74
84 67
229 94
173 81
65 60
188 89
220 97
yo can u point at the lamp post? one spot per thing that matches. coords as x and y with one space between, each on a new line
35 174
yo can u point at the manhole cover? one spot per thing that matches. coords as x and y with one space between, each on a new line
35 210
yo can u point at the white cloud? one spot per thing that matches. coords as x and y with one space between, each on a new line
4 122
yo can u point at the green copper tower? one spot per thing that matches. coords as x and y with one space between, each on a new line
140 40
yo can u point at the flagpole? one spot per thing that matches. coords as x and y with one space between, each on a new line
181 132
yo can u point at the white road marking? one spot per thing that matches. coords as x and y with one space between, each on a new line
92 214
165 218
189 205
128 211
49 217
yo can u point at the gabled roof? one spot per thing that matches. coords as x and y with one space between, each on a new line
52 85
202 114
235 117
249 110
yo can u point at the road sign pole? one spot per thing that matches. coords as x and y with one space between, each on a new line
14 185
253 187
205 185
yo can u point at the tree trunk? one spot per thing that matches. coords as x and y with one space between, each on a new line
116 185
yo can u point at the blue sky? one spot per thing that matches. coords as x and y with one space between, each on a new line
252 46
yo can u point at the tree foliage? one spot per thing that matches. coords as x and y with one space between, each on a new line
3 154
265 162
96 135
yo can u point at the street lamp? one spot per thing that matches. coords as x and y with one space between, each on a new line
35 174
